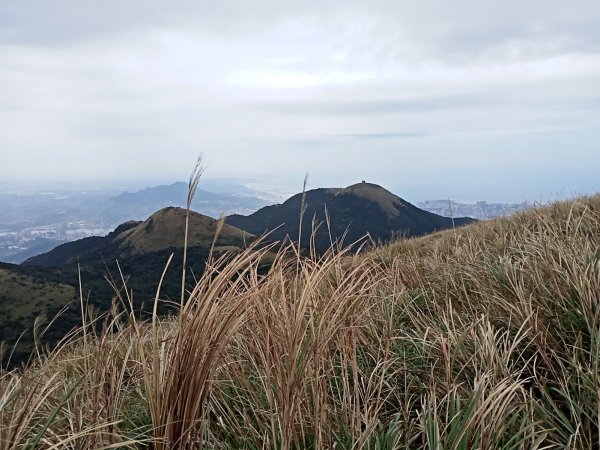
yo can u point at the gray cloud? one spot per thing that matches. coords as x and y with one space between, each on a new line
369 107
393 135
461 29
92 88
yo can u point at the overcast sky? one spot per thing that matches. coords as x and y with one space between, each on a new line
496 100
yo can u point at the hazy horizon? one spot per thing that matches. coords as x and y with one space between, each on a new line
464 100
280 189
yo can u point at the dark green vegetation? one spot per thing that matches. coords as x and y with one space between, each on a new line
139 249
347 214
25 294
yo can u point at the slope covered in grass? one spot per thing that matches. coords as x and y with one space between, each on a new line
24 294
165 229
486 337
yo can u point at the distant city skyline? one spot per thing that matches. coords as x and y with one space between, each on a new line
469 100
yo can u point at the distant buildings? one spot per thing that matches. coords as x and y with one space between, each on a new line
480 210
17 245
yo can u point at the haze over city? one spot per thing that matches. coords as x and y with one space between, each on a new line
465 100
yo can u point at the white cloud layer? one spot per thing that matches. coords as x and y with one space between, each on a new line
470 99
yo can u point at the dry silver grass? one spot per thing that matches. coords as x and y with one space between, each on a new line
192 187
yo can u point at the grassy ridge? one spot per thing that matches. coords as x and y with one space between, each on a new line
483 337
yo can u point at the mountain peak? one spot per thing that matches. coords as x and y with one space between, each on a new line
350 213
387 201
166 228
170 213
364 186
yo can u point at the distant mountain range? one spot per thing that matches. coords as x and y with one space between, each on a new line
348 213
143 248
141 204
32 224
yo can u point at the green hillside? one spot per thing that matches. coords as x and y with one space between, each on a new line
45 283
26 294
